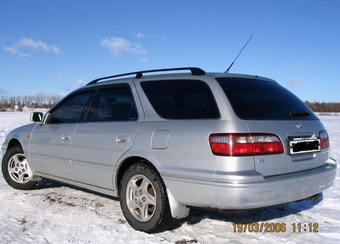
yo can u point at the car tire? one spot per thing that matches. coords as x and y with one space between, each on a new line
16 171
143 199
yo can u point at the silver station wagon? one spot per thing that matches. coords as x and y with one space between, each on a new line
167 140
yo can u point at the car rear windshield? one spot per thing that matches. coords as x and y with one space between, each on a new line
260 99
181 99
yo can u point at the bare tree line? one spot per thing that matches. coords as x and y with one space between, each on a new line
329 107
30 101
47 101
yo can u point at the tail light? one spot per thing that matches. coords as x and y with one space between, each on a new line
236 144
324 139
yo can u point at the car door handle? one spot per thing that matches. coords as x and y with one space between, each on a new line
122 139
66 137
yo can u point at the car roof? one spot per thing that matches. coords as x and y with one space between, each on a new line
171 72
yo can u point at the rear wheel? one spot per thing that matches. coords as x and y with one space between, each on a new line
16 171
143 199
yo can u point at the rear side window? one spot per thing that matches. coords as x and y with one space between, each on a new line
115 104
181 99
259 99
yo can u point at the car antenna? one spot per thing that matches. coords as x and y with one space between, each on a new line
227 71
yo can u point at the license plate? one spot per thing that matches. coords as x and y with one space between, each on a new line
304 146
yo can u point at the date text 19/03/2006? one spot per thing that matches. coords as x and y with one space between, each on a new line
276 227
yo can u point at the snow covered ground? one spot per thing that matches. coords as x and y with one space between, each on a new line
55 213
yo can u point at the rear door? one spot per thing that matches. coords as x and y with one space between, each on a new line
106 134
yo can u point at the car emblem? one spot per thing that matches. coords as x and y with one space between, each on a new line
298 125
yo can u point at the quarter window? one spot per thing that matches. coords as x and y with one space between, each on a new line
259 99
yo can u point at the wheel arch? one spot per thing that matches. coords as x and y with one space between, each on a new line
15 168
178 211
14 143
125 164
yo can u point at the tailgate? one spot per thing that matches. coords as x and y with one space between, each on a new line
301 143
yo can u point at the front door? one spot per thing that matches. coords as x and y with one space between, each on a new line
50 142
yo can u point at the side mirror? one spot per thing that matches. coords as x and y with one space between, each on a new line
37 117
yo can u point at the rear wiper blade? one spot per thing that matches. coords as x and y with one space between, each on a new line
298 113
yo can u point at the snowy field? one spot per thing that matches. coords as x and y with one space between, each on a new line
60 214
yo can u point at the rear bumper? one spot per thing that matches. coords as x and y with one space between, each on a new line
274 190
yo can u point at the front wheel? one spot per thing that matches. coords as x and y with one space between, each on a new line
16 171
144 200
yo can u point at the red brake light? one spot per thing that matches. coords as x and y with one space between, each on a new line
324 139
237 144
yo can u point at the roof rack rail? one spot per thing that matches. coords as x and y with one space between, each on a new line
139 74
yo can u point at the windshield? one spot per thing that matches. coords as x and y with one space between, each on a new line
259 99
